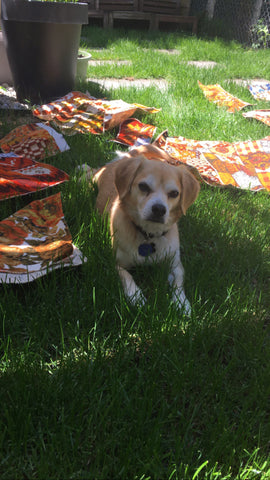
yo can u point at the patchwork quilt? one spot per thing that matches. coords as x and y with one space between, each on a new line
35 140
243 165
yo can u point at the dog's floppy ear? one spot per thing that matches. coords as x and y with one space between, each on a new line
190 188
125 173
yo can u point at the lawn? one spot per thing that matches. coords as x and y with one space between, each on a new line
93 388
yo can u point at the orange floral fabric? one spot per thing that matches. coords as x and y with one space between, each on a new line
244 165
35 140
133 132
21 176
34 241
215 93
78 112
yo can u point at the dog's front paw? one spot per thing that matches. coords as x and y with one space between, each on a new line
137 298
182 303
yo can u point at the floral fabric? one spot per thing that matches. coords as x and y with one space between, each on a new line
21 176
244 165
34 241
215 93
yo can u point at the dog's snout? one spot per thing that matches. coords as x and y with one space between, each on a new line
158 210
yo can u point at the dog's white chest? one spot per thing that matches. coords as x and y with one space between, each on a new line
146 251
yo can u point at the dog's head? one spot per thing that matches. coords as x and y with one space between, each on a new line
154 193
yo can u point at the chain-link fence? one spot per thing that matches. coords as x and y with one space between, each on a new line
247 21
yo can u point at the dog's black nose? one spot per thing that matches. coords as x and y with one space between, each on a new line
158 210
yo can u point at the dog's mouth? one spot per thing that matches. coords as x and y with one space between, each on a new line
155 219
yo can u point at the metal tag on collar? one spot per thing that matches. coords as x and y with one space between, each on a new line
146 249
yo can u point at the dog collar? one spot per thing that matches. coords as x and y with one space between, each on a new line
148 236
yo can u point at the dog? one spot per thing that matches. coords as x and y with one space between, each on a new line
145 196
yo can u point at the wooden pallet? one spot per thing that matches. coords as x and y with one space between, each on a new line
154 12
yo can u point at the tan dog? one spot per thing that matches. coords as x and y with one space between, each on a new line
145 197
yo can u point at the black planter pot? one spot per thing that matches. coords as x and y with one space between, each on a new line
42 40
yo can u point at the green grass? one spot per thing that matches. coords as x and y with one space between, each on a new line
92 388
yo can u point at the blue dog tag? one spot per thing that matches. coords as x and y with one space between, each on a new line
146 249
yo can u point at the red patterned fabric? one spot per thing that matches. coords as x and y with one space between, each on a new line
132 132
21 176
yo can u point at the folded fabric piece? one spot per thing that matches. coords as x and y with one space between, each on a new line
244 165
34 241
35 140
260 91
21 176
78 112
132 132
261 115
215 93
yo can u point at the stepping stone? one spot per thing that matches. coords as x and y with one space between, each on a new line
202 63
244 83
113 83
109 62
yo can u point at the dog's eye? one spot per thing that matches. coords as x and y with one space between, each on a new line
144 187
173 194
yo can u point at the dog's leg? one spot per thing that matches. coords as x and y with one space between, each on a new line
176 279
132 291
